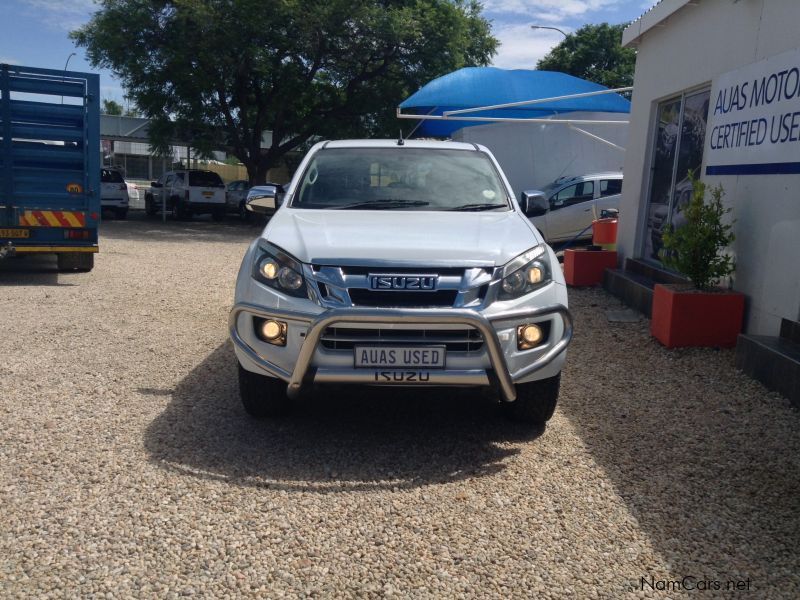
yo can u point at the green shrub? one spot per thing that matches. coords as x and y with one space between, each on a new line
695 249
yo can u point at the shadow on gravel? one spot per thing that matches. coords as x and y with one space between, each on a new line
712 478
139 227
340 440
38 270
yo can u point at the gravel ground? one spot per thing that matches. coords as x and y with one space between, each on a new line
128 468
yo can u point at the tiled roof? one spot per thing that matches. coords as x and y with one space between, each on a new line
659 12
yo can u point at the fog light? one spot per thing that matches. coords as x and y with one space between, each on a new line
273 332
529 336
271 329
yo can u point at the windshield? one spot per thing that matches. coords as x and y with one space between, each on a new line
110 176
400 179
205 179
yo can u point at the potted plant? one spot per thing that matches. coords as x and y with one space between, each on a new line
698 313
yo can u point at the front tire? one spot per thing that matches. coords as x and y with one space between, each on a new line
536 401
262 396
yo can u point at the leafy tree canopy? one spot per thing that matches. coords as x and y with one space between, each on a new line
220 72
594 53
111 107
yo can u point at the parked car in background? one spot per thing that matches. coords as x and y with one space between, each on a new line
235 197
187 192
114 192
571 204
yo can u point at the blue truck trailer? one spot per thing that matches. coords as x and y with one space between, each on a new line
50 164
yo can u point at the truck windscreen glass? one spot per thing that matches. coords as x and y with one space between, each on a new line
400 178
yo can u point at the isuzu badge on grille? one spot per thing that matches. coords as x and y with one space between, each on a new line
389 282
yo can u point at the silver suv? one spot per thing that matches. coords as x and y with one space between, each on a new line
401 264
186 193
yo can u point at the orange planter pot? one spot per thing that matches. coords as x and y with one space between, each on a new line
587 267
604 233
693 318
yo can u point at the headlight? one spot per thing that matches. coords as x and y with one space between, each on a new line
277 269
525 273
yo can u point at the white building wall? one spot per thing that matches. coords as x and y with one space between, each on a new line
535 154
690 49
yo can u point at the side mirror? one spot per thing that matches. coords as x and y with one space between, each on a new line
263 200
155 184
534 203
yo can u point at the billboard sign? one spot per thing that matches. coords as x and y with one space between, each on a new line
754 119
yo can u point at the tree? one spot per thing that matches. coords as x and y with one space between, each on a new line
594 53
697 247
217 73
112 107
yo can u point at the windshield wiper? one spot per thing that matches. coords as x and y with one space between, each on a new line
478 206
384 204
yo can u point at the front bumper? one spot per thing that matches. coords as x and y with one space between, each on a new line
304 373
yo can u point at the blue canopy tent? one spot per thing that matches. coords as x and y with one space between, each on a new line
477 91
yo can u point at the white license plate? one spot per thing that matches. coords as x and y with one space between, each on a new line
400 357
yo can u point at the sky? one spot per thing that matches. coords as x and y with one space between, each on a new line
34 32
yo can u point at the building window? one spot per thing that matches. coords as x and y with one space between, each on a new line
677 151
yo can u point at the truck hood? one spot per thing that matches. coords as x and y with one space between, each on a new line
401 237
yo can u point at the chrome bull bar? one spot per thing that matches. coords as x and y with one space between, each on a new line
301 375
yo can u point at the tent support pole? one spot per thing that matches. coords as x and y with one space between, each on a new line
537 101
596 137
510 119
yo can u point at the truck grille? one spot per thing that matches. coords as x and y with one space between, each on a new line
454 340
365 297
441 271
352 286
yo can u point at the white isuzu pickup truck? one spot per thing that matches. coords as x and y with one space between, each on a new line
405 263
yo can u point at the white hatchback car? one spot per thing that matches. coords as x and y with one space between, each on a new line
568 206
